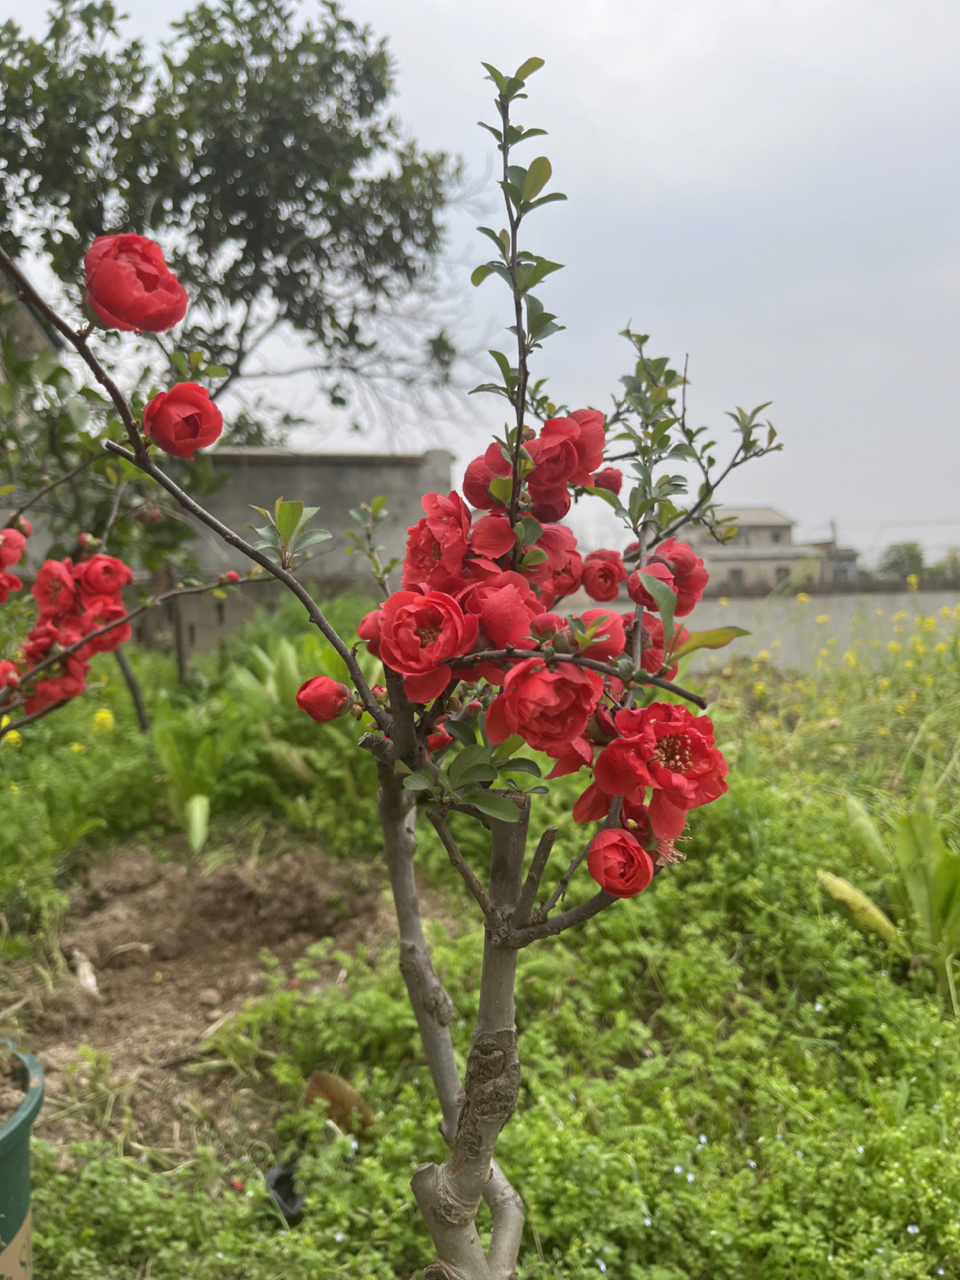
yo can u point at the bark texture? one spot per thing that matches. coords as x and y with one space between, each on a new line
449 1194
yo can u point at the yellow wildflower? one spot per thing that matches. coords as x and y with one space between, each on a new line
802 598
940 648
103 720
913 582
822 618
893 646
11 738
763 655
78 747
723 602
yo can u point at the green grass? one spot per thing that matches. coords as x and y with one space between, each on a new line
724 1079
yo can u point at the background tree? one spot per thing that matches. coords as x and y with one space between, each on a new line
901 560
261 151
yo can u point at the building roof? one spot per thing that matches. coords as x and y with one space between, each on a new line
751 517
268 453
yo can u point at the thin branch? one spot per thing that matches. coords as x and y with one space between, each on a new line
535 875
26 291
133 684
561 889
518 938
112 517
15 516
459 861
283 575
34 715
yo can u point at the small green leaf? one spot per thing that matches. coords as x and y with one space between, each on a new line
508 746
522 765
479 773
535 556
527 68
464 733
860 906
480 273
665 598
287 516
417 782
400 766
538 175
502 487
197 815
180 361
215 371
494 807
718 638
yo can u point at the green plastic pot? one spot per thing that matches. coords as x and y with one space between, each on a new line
15 1256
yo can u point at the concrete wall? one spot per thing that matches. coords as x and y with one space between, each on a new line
334 483
793 631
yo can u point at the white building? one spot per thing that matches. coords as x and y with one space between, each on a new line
762 554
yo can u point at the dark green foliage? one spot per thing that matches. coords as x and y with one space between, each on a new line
259 151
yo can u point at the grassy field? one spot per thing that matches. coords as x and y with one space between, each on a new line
727 1077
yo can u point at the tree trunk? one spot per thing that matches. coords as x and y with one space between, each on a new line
449 1194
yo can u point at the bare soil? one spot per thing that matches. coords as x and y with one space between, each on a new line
160 955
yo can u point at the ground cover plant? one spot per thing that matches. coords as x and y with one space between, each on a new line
478 665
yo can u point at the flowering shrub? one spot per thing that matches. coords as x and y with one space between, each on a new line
479 658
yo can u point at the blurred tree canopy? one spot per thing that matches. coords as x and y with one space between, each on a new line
901 560
258 150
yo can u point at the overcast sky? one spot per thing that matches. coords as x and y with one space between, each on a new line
769 185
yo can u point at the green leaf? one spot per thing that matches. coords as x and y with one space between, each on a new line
5 489
181 363
520 764
464 733
508 746
480 273
215 371
863 826
197 816
538 175
535 556
287 516
400 766
715 639
417 782
471 755
665 598
479 773
502 487
527 68
311 537
495 807
498 78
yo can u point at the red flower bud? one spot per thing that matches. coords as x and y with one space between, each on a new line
232 575
323 699
610 478
618 863
183 419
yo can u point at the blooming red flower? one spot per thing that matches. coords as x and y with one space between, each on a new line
610 478
183 419
561 572
550 506
100 611
323 699
419 634
9 583
609 640
70 683
577 753
54 589
689 575
639 594
667 749
603 571
129 286
101 575
12 544
547 708
438 741
480 472
437 544
492 536
618 863
651 643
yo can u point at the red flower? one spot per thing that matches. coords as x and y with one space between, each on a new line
578 753
369 630
183 419
480 472
667 749
12 544
9 675
492 536
418 634
651 642
437 544
610 478
547 708
689 575
590 442
9 582
550 506
603 572
438 741
101 576
323 699
53 689
233 576
54 589
639 594
609 640
129 286
100 611
560 574
618 863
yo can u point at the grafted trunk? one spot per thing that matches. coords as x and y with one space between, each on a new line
449 1194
